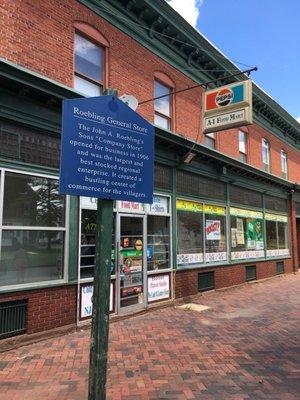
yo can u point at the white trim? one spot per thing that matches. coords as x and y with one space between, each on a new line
39 174
32 228
65 229
159 271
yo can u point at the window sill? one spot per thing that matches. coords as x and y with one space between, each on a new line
34 286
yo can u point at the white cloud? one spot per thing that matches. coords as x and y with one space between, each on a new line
188 9
298 119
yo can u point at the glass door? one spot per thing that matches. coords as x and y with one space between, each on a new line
131 263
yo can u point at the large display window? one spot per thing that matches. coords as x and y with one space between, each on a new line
277 235
247 234
189 232
87 239
158 234
215 233
32 229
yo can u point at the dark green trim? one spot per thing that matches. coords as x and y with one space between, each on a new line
28 112
73 238
174 221
23 167
179 145
34 80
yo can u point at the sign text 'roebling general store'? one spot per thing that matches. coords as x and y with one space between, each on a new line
228 106
107 151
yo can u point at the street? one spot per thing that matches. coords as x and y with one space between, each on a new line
245 346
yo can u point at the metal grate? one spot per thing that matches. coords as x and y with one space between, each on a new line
245 196
29 145
206 281
162 177
10 144
280 267
13 318
275 204
196 185
251 273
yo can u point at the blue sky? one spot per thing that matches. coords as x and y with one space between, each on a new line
262 33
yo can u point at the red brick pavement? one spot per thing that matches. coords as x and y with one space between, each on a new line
246 346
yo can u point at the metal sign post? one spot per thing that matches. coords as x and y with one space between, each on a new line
101 292
107 152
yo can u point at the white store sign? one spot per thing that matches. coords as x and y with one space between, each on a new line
130 206
226 120
158 287
159 205
86 300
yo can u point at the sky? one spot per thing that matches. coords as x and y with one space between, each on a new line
262 33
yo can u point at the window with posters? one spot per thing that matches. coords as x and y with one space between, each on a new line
277 235
189 232
215 233
247 234
158 234
87 238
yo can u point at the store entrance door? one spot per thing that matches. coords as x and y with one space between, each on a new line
131 263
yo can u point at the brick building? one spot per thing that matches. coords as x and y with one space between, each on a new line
231 215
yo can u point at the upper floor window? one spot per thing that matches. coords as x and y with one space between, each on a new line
284 171
89 67
210 140
162 107
266 155
242 146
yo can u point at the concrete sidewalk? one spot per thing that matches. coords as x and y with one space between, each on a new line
246 346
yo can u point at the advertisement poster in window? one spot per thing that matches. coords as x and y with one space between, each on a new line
158 287
86 305
213 229
254 234
233 237
240 237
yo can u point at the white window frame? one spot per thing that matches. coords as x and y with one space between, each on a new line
243 145
99 84
266 151
168 214
284 164
65 229
210 138
166 117
204 263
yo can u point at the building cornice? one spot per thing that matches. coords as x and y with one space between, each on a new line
163 31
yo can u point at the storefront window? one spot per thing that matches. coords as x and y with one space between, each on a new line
277 235
189 232
158 234
87 247
215 233
31 256
158 249
32 201
35 250
271 234
247 236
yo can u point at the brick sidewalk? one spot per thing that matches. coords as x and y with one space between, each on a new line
246 346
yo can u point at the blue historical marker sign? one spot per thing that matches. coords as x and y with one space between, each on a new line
107 150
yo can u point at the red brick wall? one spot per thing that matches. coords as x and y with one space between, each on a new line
186 282
228 143
47 308
40 35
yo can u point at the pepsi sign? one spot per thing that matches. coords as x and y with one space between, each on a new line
228 106
230 96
